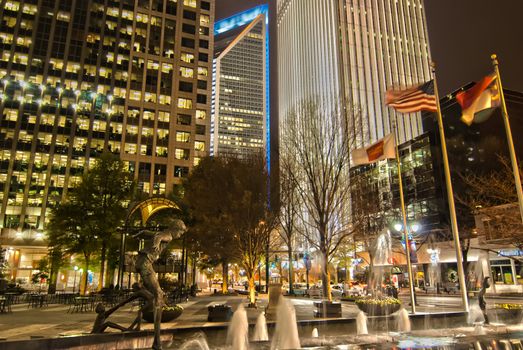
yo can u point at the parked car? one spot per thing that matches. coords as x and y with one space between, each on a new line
315 292
337 291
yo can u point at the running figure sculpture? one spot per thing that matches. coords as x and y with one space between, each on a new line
144 266
481 298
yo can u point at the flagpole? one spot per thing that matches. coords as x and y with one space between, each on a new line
450 197
513 159
404 214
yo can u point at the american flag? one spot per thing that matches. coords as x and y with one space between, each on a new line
414 99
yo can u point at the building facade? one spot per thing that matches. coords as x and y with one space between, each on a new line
353 50
131 77
493 235
240 117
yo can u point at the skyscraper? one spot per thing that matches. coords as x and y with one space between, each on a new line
132 77
354 50
240 110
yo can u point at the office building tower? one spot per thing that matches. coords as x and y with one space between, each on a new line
131 77
240 122
354 50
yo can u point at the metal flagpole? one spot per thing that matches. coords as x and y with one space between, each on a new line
510 142
404 214
450 197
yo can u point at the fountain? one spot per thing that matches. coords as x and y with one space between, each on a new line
286 332
361 324
260 330
315 333
403 321
475 315
238 331
197 343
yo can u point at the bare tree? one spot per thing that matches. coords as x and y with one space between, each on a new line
289 209
317 134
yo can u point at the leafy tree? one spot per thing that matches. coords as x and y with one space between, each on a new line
87 221
207 196
228 198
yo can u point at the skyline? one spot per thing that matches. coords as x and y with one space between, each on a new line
461 50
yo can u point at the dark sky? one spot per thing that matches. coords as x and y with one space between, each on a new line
463 34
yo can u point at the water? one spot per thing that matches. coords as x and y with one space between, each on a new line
315 333
383 249
361 323
286 331
238 331
260 330
403 320
197 343
475 315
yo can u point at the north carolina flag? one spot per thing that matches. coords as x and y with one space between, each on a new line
383 149
478 102
418 98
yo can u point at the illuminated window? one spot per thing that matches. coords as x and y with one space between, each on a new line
182 136
190 3
202 71
184 103
199 146
196 161
187 57
181 153
200 114
164 116
186 72
204 20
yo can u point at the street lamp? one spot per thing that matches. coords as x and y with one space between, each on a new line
408 248
74 282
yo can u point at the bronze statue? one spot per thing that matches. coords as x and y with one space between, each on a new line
481 298
144 266
149 290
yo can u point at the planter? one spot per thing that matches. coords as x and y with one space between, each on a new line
327 309
219 313
377 309
167 315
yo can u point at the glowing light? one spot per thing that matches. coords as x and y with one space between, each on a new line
415 227
77 93
398 227
59 90
23 84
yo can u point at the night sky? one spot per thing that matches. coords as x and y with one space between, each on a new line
463 34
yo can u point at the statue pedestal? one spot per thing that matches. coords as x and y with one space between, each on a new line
275 293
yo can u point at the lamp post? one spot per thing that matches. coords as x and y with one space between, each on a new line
74 281
413 228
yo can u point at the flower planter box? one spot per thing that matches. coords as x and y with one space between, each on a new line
327 309
219 313
377 309
167 315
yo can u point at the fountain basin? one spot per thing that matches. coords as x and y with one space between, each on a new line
327 309
219 313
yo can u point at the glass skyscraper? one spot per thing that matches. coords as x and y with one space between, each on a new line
240 117
132 77
353 50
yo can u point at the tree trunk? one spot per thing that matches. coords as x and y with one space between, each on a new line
325 276
103 254
252 290
85 274
291 279
225 277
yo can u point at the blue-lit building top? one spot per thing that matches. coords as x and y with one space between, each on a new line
231 24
